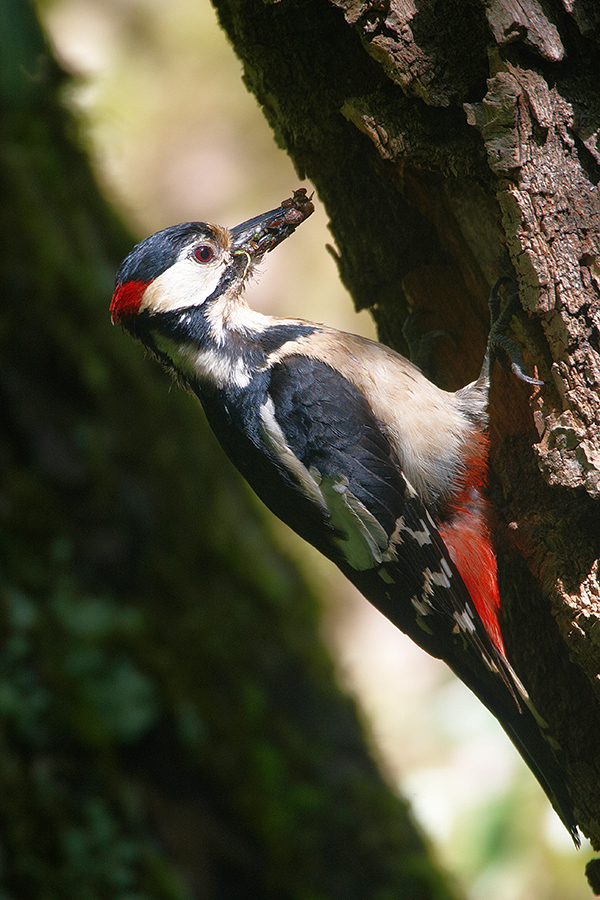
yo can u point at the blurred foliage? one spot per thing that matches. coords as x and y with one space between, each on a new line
170 721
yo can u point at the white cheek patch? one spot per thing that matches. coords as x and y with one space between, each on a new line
185 283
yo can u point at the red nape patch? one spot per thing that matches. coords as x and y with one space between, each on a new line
126 300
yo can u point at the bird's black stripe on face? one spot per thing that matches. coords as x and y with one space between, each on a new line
182 325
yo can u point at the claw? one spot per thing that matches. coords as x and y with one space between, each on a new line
498 339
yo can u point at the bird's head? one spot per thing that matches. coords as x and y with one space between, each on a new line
185 265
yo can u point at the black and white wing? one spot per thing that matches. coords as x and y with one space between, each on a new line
319 427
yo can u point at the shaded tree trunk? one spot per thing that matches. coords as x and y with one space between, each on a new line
170 722
453 144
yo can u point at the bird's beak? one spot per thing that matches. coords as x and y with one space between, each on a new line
262 233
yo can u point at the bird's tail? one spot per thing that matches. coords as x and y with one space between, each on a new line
529 733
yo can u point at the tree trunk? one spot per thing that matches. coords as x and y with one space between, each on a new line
453 144
170 722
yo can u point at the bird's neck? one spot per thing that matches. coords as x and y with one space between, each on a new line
212 346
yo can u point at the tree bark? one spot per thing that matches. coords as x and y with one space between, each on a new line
452 144
170 725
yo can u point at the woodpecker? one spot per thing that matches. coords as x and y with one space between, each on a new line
350 445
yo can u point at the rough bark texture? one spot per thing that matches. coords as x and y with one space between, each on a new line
170 726
452 144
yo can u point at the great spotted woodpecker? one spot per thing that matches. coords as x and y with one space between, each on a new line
349 444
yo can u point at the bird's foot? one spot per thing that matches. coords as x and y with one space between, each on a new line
498 339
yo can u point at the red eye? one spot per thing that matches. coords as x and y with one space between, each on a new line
204 253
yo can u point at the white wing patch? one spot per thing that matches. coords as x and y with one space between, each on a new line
365 542
465 620
422 537
362 540
275 439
